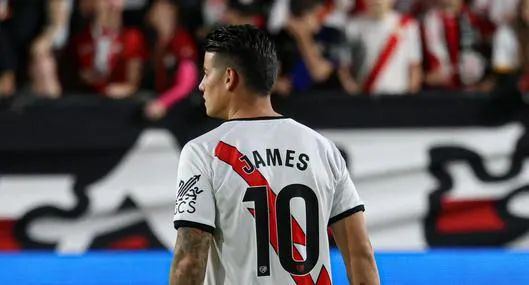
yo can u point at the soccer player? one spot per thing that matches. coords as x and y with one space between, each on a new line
257 194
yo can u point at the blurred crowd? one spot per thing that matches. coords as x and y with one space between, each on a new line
116 48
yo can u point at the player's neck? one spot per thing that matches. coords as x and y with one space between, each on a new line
252 108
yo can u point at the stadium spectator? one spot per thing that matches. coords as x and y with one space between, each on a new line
22 27
409 7
109 57
415 8
359 7
7 62
43 66
190 15
171 69
498 11
511 47
335 13
213 12
456 42
309 51
240 12
385 55
135 12
232 12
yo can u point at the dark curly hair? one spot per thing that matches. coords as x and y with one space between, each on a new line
249 51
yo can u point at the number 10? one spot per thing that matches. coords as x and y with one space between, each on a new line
259 195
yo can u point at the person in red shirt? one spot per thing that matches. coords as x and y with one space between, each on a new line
456 43
172 69
109 57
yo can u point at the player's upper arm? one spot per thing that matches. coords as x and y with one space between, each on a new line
195 199
349 228
346 200
351 237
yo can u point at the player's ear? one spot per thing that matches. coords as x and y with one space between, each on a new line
231 79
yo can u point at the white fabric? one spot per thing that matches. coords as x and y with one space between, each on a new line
279 14
215 199
505 49
103 46
61 36
434 40
374 35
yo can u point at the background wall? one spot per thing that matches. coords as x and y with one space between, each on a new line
89 177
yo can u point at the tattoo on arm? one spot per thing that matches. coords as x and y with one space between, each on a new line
190 257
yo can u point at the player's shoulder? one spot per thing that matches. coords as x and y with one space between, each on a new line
209 139
306 129
327 147
207 142
313 134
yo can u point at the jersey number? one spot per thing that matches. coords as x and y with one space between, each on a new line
259 195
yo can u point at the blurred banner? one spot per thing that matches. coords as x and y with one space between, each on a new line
79 175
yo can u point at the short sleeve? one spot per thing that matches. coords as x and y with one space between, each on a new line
346 200
504 50
414 43
195 201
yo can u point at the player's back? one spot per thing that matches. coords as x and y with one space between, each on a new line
268 189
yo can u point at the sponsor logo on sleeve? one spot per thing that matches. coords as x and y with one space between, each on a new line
187 195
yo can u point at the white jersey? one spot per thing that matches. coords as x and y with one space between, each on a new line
267 188
373 35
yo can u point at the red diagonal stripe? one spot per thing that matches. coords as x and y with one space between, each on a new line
298 238
233 157
385 55
295 252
